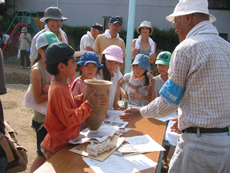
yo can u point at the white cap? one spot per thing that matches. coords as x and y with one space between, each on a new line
185 7
46 38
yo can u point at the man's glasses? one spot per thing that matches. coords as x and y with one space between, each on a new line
173 23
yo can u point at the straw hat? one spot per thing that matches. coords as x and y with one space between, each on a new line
145 24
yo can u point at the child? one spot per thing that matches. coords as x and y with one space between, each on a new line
40 80
138 88
162 62
88 64
63 118
112 57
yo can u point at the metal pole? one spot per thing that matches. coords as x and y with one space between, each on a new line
130 35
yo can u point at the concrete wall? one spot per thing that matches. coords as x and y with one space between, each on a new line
87 12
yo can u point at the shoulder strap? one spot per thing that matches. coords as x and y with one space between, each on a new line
6 147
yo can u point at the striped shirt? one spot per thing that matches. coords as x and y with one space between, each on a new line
201 65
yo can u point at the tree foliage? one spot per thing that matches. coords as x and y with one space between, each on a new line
5 17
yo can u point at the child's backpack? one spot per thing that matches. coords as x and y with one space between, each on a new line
16 154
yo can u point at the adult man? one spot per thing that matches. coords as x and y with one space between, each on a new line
88 40
111 37
53 21
24 45
199 85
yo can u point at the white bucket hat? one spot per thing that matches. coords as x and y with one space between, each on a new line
185 7
145 24
24 29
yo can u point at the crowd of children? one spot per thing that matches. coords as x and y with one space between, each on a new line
66 109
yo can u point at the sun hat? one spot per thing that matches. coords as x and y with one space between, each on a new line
142 60
163 58
115 19
114 53
53 13
89 57
145 24
24 29
97 26
59 51
46 38
185 7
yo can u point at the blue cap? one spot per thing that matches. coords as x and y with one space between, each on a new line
115 19
89 57
142 60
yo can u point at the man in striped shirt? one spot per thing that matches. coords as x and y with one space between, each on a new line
199 85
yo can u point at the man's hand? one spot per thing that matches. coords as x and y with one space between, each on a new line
97 101
131 115
174 127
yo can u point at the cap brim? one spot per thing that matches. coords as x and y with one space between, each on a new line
171 17
116 22
78 53
109 57
45 18
161 62
83 63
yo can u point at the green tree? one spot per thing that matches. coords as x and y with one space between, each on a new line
5 17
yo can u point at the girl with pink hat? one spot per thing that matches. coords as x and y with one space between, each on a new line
112 57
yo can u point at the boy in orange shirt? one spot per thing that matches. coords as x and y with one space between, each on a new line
63 119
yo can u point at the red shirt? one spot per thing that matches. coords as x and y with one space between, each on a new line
63 119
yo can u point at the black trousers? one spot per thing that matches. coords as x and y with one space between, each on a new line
24 55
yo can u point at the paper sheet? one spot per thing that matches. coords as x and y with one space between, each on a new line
114 119
100 135
171 137
144 144
164 119
121 164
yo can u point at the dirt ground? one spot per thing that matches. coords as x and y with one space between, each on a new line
17 115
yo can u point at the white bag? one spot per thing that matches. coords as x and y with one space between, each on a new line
18 56
30 102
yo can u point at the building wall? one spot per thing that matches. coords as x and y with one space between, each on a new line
87 12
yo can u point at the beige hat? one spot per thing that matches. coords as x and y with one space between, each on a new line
145 24
185 7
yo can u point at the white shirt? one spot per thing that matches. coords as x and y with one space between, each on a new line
24 43
87 40
113 88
